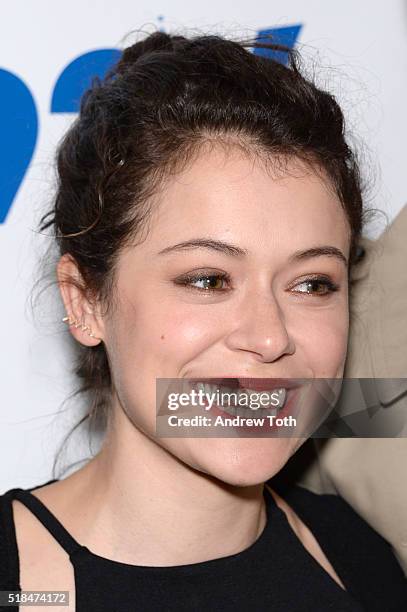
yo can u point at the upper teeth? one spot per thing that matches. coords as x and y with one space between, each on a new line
244 408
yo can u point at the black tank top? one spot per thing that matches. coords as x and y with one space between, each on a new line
276 573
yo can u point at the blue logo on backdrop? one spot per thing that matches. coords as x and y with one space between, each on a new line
19 114
77 78
18 128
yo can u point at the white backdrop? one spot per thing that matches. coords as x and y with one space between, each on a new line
362 49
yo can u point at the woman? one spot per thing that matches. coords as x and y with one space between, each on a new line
207 215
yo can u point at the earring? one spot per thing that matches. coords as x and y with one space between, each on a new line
77 324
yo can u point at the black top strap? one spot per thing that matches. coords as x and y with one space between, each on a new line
9 563
50 522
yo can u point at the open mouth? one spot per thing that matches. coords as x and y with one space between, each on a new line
241 401
282 400
285 407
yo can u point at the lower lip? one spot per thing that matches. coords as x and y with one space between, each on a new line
288 410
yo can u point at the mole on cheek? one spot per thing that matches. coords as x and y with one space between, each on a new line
162 337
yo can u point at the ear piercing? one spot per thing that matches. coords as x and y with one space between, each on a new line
77 324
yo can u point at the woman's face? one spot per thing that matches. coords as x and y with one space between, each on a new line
258 322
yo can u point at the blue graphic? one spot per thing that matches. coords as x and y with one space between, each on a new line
161 18
287 36
77 77
18 129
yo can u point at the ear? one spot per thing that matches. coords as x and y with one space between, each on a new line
85 323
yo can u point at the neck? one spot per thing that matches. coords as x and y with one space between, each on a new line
143 506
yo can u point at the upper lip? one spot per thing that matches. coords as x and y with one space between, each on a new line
257 384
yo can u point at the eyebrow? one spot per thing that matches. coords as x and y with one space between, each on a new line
235 251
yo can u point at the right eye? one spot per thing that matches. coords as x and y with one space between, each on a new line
208 282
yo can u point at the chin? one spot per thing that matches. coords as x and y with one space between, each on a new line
245 462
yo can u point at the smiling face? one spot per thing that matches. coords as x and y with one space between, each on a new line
258 320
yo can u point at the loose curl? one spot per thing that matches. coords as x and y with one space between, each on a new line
165 98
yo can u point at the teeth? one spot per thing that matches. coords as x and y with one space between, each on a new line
243 409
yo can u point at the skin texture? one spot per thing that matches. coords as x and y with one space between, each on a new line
185 500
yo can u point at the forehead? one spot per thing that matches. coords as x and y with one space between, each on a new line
228 194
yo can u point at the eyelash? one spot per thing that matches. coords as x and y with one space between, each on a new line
190 278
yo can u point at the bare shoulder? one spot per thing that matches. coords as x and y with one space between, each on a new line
31 535
44 565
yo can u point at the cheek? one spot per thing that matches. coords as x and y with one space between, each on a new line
170 337
323 342
151 339
154 333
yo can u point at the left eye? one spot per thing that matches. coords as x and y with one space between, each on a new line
312 283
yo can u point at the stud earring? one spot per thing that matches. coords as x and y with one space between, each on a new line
76 323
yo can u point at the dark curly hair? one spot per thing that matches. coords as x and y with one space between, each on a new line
167 96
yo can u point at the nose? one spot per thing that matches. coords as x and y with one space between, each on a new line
261 329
